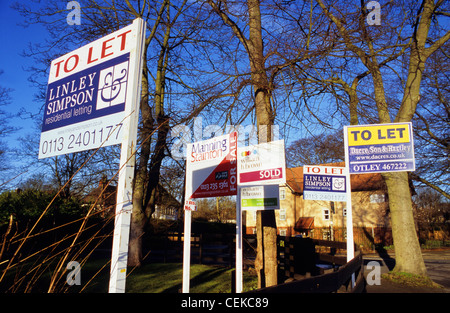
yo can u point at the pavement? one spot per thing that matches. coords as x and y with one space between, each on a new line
437 262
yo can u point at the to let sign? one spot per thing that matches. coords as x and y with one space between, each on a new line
324 183
87 92
379 148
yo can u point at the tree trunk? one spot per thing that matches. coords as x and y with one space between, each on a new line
408 256
135 242
138 218
266 230
147 174
266 260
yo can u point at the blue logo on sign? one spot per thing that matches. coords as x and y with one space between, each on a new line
95 92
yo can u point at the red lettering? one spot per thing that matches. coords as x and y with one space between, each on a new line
66 68
122 44
90 56
104 47
57 67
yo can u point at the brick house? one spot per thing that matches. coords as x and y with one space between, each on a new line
302 217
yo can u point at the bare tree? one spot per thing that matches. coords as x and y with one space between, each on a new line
432 125
266 260
426 38
5 127
316 149
273 38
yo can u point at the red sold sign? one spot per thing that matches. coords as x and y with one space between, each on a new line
262 164
269 174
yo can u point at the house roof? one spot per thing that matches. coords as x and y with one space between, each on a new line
359 182
304 223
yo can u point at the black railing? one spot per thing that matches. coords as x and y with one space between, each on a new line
298 263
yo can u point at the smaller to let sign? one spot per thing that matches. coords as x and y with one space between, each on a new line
379 148
324 183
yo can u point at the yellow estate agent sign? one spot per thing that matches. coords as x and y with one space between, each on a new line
379 148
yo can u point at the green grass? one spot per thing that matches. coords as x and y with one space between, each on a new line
410 279
165 278
149 278
157 278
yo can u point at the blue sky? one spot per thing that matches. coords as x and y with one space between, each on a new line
14 40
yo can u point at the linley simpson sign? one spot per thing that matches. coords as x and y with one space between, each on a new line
86 95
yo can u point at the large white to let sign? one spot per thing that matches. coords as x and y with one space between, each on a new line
262 164
87 92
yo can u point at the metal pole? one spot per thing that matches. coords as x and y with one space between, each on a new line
239 254
186 251
124 204
348 188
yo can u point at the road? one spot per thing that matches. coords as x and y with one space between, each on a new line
437 263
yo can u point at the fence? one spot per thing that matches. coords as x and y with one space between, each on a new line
299 262
205 248
371 238
305 264
366 238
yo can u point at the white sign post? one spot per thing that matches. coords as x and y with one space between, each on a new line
92 101
328 183
259 166
211 171
124 204
375 148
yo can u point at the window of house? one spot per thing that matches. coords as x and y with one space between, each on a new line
282 194
326 234
282 214
282 232
326 214
377 198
